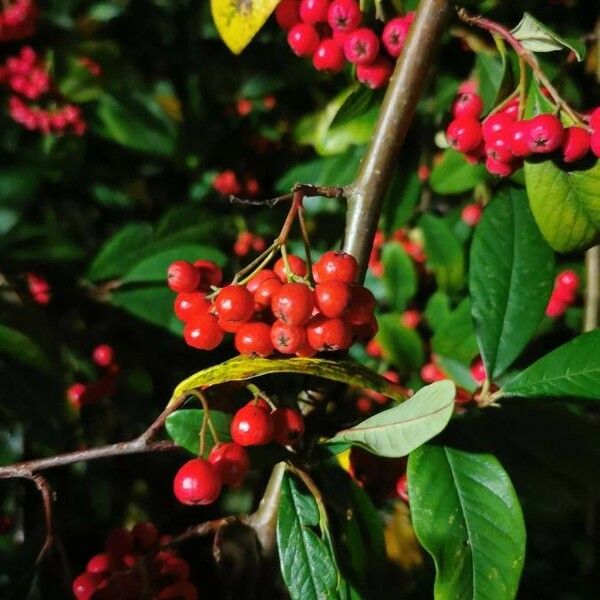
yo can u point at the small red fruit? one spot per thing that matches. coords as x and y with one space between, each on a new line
361 307
265 291
287 13
76 394
328 334
545 134
288 426
303 39
478 372
471 214
494 124
411 319
468 104
259 278
183 276
361 47
556 307
576 144
595 119
431 373
374 349
314 11
332 298
100 564
395 33
568 279
335 266
103 355
145 534
234 303
293 303
464 134
286 338
497 167
376 74
328 56
595 143
227 183
344 15
498 146
254 338
402 487
188 305
210 274
252 425
197 483
518 132
297 267
203 332
231 461
84 586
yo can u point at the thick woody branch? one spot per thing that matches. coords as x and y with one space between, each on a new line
591 306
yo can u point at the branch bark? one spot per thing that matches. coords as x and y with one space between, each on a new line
591 307
365 195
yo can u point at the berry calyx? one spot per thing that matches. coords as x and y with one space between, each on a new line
303 39
335 266
203 332
288 426
287 338
197 483
293 303
254 338
231 462
464 134
545 134
361 47
183 276
344 15
252 425
328 56
234 303
395 33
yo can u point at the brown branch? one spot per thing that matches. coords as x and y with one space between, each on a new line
365 195
308 190
591 306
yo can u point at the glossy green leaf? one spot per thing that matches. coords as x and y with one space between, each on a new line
572 370
467 516
444 253
397 431
510 279
494 75
183 427
401 199
454 175
17 345
307 564
437 310
399 276
455 337
401 346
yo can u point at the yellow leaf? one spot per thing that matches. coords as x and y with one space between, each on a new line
238 21
401 542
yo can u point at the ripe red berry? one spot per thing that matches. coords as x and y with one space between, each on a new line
101 564
344 15
411 318
464 134
227 183
595 119
303 39
431 373
203 332
545 134
395 33
287 13
595 143
293 303
471 214
297 267
252 426
468 104
332 298
145 534
229 326
361 47
376 74
76 394
183 276
314 11
328 56
556 307
188 305
210 274
374 349
119 542
494 124
518 138
254 338
325 334
335 266
287 338
576 144
498 146
288 426
234 303
497 167
402 487
259 278
103 355
231 461
197 482
361 307
478 372
84 586
265 291
568 279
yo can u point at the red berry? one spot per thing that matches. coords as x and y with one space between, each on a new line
361 307
497 167
468 104
376 74
259 278
119 542
498 146
287 13
101 564
332 298
328 56
84 586
595 119
402 487
103 355
288 426
464 134
361 47
197 482
494 124
512 109
229 326
344 15
395 33
306 351
518 132
374 349
297 266
568 280
576 144
254 338
293 303
76 394
286 338
265 291
210 273
227 183
411 319
471 214
145 534
203 332
231 461
314 11
183 276
188 305
595 143
478 372
303 39
431 373
556 307
545 134
234 303
335 266
252 426
328 334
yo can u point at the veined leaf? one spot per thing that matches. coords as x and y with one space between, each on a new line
183 427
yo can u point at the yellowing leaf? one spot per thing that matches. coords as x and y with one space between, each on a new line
238 21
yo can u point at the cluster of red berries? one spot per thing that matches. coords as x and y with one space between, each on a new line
79 393
564 293
247 241
412 247
27 77
503 140
39 288
133 566
17 19
330 33
227 183
199 481
277 310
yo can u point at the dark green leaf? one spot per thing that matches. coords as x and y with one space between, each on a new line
454 175
401 346
183 427
455 337
17 345
437 310
399 276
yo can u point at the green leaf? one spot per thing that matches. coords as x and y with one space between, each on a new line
17 345
183 427
401 198
537 37
454 175
401 346
437 310
399 276
397 431
455 337
494 75
307 564
565 203
510 279
467 516
444 253
356 104
573 370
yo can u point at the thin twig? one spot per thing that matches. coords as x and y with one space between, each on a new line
591 306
